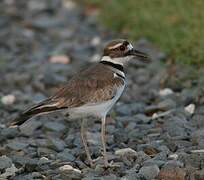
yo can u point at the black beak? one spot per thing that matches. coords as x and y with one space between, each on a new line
140 55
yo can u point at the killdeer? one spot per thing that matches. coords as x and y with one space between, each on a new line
93 91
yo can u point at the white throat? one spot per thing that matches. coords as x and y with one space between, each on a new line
114 61
109 59
118 60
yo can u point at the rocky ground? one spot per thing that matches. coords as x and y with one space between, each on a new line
156 130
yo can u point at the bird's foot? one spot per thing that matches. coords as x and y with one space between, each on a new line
91 162
111 164
101 162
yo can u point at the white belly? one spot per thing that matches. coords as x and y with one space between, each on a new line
99 109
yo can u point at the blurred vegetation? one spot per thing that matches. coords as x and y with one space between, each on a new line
176 26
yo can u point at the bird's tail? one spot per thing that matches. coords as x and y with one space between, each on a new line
43 107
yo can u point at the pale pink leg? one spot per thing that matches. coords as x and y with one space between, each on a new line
104 141
84 141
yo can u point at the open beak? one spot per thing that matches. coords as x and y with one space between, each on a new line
140 55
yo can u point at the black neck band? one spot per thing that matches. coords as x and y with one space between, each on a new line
121 76
116 66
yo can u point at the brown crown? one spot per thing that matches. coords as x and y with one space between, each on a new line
116 48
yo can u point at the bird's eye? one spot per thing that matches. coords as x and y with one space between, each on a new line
122 48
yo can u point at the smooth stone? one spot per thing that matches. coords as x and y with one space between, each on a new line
173 156
110 129
131 126
15 145
128 157
56 144
9 172
131 176
141 157
176 126
31 176
55 126
197 120
126 152
151 109
94 138
42 151
69 140
164 149
106 177
44 160
149 172
29 163
120 136
200 110
66 155
135 134
199 174
166 105
174 173
129 109
109 177
38 97
9 132
141 118
165 92
110 140
46 22
149 162
148 149
161 156
29 127
68 172
190 108
174 163
193 160
198 137
8 99
5 162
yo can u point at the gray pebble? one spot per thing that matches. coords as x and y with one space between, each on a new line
55 126
56 144
149 162
15 145
42 151
66 155
9 132
29 127
67 172
129 109
149 172
167 104
141 157
5 162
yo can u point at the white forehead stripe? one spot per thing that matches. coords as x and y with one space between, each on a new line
129 46
115 46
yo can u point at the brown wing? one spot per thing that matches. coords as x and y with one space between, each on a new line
96 84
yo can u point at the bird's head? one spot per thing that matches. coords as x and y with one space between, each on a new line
121 51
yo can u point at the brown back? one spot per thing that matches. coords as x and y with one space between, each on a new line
94 85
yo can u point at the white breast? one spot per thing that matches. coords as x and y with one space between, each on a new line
99 109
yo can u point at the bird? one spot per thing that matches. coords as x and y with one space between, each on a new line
92 91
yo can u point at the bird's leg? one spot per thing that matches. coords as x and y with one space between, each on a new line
103 141
84 141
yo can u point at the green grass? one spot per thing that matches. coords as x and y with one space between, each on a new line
176 26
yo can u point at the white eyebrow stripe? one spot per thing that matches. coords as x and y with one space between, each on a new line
115 46
129 46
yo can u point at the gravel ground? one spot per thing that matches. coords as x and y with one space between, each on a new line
156 130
